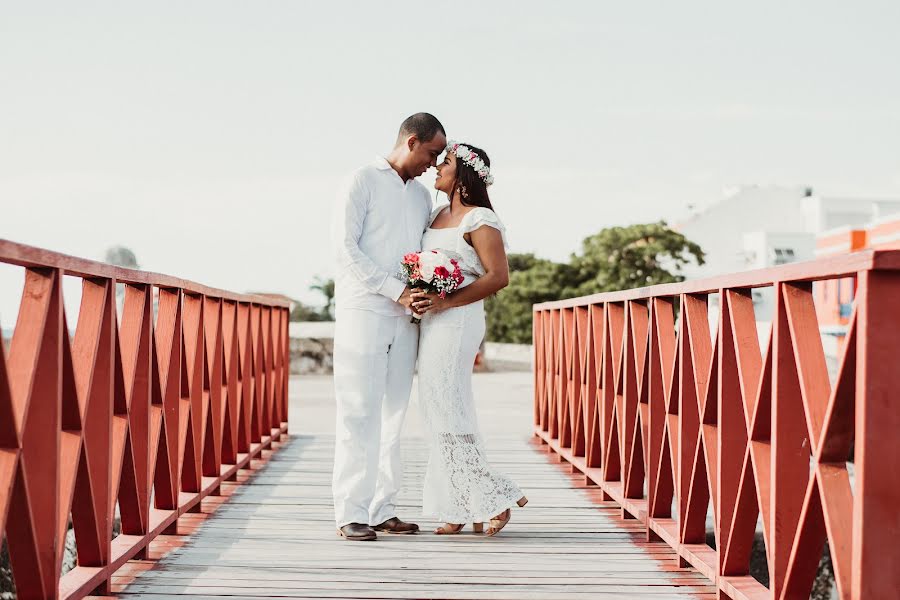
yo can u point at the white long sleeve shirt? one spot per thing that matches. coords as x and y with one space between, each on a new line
377 220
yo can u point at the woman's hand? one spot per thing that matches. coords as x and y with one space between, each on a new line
424 302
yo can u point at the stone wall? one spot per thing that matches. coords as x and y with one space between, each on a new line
312 356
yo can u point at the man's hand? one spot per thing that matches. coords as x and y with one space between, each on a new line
407 299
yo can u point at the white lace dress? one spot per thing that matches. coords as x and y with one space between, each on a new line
460 485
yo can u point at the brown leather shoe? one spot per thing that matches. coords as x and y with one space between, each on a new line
395 525
357 532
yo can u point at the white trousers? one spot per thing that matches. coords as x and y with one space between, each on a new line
374 361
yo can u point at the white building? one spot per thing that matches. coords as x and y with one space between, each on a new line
754 227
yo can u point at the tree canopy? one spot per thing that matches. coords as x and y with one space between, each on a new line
621 258
304 312
616 258
121 256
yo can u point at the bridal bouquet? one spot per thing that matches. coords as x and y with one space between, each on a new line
431 271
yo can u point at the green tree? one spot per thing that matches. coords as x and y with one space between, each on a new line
531 281
621 258
121 257
302 312
616 258
326 288
522 262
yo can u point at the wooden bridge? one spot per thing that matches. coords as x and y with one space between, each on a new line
276 536
653 439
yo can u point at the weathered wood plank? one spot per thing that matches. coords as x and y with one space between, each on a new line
276 536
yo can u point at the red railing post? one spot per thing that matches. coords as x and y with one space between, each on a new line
876 498
35 369
611 408
167 407
593 400
135 335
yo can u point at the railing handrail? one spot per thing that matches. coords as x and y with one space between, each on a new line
159 397
33 257
813 270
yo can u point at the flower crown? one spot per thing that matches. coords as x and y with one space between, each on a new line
465 154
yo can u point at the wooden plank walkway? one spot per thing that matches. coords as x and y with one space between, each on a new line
276 536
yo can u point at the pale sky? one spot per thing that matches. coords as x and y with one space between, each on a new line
210 136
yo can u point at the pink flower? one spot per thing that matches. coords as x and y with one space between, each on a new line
441 272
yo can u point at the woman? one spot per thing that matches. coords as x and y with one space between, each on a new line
460 486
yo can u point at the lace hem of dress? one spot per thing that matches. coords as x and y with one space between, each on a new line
475 491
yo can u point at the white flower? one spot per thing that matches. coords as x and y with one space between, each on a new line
463 153
428 262
431 260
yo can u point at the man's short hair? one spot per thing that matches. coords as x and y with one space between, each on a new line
422 125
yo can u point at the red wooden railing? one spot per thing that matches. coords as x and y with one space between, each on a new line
148 412
632 389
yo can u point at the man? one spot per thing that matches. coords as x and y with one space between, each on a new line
381 215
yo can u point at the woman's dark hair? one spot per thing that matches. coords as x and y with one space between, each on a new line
476 193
